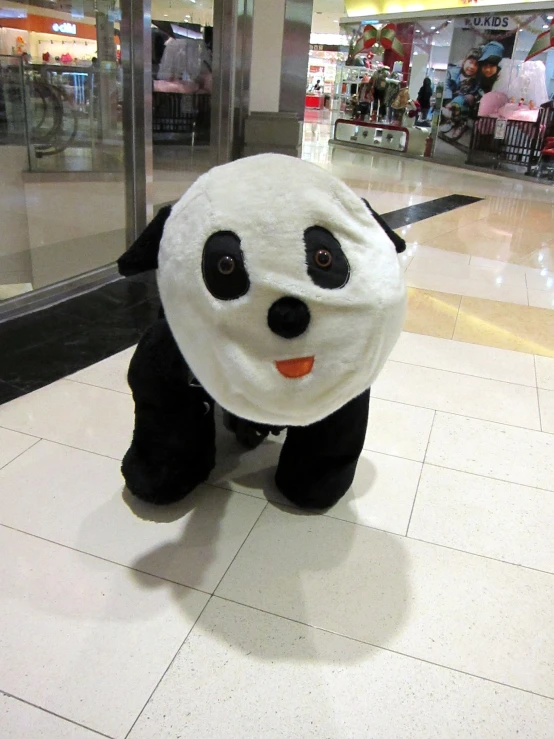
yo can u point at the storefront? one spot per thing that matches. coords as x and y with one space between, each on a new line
327 53
465 86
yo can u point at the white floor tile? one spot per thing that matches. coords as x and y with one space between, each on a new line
256 674
470 613
382 494
546 400
477 397
75 498
494 450
110 373
84 638
12 444
541 299
508 270
398 429
439 256
545 372
484 516
539 279
467 359
82 416
495 274
19 720
468 287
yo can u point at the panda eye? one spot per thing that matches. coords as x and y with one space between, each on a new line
223 268
323 258
226 265
326 262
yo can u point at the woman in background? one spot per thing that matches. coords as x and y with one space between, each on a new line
424 98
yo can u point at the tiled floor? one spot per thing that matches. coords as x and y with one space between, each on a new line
419 606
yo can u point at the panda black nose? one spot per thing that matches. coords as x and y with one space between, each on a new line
288 317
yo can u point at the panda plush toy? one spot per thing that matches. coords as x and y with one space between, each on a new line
282 298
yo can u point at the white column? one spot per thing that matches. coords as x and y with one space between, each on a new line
267 48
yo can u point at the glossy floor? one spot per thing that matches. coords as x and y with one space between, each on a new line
419 606
499 249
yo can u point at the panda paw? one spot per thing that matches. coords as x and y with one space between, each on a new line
161 481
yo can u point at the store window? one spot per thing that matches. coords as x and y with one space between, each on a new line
482 84
62 204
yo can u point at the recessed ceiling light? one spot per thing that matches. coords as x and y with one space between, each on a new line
546 26
437 31
549 17
335 21
165 15
417 30
433 28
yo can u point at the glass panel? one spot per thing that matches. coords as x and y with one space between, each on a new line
181 99
61 141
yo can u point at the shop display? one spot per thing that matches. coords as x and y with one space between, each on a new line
489 86
232 324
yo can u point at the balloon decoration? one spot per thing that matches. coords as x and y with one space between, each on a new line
543 42
384 36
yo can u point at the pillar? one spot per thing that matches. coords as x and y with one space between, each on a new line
280 49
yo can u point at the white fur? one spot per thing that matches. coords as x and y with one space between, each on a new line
269 201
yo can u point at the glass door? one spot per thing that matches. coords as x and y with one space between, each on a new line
62 191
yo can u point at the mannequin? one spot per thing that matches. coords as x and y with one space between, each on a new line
400 102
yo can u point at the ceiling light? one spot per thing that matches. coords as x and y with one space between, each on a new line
417 30
335 21
433 28
549 17
165 15
545 26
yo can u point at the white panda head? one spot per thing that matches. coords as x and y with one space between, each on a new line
282 288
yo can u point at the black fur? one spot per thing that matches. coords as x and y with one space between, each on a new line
398 241
173 447
143 254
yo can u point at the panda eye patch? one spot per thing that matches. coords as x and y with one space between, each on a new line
223 267
326 262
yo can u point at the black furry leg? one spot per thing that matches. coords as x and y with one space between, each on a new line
173 447
318 462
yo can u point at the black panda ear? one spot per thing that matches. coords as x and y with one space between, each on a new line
143 254
398 241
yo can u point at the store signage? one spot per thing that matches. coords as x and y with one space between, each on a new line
69 28
324 47
490 21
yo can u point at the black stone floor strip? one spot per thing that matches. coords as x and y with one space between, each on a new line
415 213
46 346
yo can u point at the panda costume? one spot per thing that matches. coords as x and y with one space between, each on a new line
282 298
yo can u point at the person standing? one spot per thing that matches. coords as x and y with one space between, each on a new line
424 98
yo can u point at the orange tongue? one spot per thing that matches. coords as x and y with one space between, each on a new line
295 367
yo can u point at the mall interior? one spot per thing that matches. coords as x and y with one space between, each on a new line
420 605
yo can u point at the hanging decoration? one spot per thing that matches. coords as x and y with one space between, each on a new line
543 42
384 36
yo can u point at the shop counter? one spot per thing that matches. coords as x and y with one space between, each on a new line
315 102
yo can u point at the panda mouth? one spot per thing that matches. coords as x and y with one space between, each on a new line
294 368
